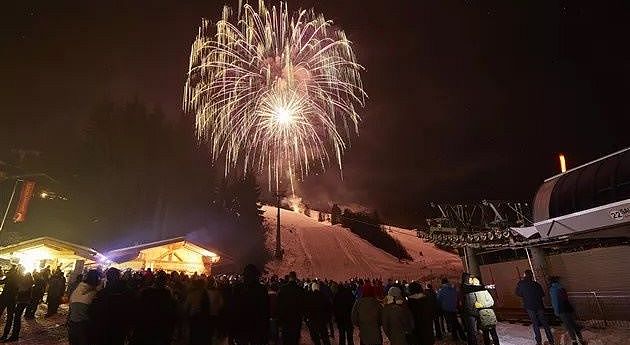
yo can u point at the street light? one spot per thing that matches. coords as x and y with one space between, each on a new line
278 195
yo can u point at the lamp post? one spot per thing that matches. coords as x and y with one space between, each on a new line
6 211
279 195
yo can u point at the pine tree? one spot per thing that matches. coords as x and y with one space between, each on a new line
335 214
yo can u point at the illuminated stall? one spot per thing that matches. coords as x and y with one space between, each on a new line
176 254
40 252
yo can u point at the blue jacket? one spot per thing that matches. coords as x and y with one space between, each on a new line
559 299
532 294
447 297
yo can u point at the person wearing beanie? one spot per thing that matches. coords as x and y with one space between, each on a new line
397 319
367 315
78 315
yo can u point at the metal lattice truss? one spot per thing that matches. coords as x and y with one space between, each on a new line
484 223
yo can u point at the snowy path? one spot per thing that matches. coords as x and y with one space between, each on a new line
315 249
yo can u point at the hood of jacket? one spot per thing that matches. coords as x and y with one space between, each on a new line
84 293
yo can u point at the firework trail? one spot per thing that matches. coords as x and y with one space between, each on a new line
273 91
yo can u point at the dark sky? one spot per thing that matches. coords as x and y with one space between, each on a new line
467 99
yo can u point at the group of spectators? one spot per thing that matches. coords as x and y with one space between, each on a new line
23 292
532 294
156 308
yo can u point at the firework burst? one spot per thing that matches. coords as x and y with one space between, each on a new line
274 91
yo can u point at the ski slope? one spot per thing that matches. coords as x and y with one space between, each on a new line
320 250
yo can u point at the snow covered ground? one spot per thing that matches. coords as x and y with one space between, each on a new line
320 250
514 334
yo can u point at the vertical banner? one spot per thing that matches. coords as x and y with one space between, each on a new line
28 187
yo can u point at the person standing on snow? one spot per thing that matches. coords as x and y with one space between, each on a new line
532 294
318 311
447 298
110 311
290 310
367 315
397 319
479 303
56 289
437 315
423 311
251 303
25 288
342 306
564 310
78 315
8 297
39 287
155 314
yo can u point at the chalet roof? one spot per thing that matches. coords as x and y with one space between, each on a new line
53 243
133 251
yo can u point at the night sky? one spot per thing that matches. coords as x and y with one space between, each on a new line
467 99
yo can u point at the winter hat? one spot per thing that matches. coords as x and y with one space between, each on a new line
394 292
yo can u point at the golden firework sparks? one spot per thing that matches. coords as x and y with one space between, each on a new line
273 91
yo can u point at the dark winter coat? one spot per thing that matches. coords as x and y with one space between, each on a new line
367 315
318 308
39 287
532 294
397 323
447 298
25 289
342 306
423 312
155 317
10 282
290 304
111 313
560 300
56 287
251 302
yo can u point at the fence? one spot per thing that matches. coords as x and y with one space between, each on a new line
602 308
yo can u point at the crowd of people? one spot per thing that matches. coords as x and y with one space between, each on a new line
23 292
156 308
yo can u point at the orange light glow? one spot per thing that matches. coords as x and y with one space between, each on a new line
563 163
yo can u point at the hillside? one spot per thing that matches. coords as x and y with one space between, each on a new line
316 249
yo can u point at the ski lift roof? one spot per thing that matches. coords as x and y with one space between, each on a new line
598 186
